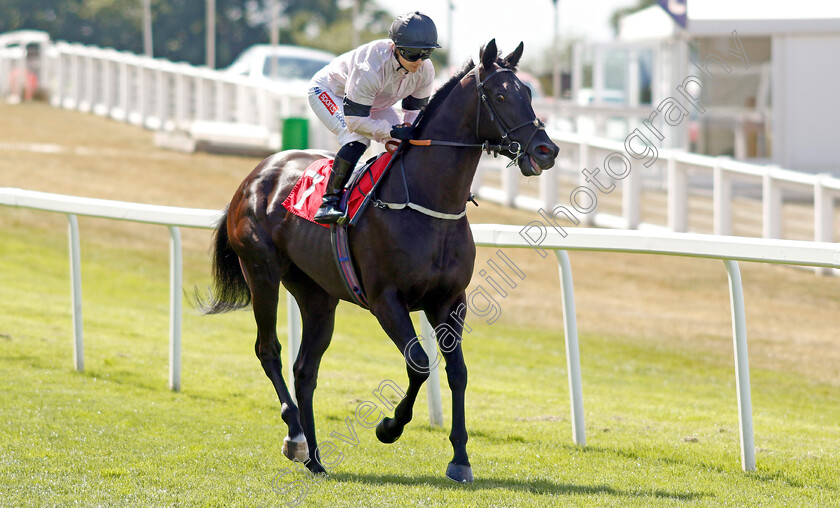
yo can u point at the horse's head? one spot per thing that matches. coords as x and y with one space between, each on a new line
505 114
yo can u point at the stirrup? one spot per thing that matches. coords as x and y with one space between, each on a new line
329 214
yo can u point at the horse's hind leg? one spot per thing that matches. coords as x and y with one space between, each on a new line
317 310
264 281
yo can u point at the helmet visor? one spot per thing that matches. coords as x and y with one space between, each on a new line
414 54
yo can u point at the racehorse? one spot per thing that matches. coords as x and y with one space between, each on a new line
407 260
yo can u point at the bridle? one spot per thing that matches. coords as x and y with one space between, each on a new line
507 144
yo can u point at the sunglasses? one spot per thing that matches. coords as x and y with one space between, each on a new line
414 54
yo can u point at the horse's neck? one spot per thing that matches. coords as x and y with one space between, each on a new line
440 177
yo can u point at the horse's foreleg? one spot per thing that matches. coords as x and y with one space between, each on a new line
449 324
394 318
264 296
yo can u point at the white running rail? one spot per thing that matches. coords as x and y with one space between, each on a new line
675 167
535 235
159 94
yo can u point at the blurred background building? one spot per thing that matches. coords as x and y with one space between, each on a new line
775 105
779 107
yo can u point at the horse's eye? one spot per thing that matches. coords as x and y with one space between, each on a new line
500 98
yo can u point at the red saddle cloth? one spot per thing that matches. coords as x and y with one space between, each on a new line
307 193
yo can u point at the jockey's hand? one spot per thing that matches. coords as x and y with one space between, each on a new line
402 132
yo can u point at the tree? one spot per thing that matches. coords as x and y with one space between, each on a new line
179 28
333 30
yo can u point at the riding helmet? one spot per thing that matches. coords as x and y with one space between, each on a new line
414 30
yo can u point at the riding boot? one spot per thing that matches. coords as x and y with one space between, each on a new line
329 212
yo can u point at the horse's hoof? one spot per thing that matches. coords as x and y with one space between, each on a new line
296 449
385 434
316 469
459 473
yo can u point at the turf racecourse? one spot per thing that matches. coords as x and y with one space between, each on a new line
656 352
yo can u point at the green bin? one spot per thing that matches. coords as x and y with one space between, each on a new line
295 134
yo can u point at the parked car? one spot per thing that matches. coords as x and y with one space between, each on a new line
294 66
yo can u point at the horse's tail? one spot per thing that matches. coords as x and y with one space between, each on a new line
230 290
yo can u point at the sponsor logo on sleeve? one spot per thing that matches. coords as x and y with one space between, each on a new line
328 103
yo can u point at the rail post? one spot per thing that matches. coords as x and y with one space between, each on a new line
722 199
677 195
433 383
176 280
742 365
771 205
572 349
76 294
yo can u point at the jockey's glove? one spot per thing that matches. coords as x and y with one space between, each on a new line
402 132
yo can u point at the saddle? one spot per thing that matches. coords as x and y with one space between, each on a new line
306 196
307 193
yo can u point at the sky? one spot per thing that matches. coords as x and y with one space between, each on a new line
475 22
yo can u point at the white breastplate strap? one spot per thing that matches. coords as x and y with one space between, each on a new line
422 209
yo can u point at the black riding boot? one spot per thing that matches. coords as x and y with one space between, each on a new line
329 212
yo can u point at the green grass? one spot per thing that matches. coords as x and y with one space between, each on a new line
659 395
661 420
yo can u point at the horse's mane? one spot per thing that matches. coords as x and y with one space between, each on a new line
443 92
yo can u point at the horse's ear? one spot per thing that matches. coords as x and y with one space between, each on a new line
513 58
489 54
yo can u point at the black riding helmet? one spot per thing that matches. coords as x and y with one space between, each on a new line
414 30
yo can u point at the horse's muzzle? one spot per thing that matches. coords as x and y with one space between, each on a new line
538 159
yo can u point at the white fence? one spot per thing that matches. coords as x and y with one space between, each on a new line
670 172
172 217
535 235
159 94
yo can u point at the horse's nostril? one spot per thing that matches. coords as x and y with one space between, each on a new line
544 149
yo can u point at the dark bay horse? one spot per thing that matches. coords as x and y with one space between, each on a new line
406 260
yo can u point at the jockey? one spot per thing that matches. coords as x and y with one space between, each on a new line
354 96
